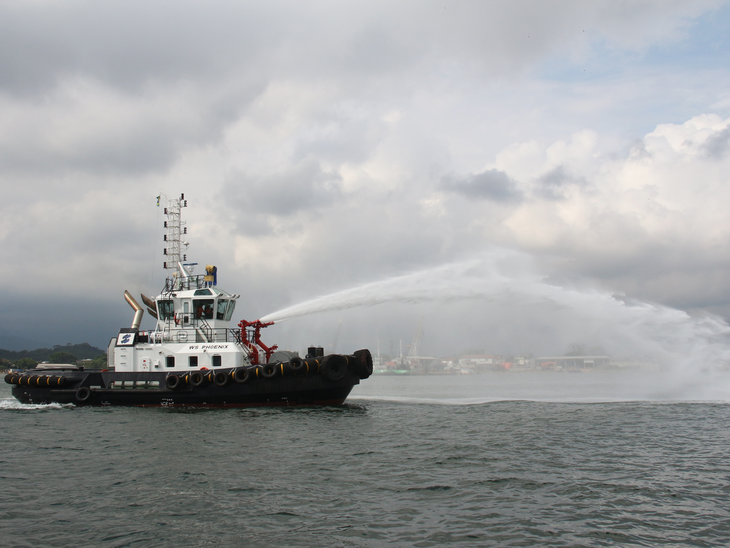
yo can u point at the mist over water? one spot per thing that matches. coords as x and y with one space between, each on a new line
500 301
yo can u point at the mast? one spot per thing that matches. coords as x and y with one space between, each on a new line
173 239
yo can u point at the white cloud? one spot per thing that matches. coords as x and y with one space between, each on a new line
323 145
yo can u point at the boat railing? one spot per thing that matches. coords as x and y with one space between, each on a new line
181 283
204 331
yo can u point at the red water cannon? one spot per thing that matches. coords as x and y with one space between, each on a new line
251 339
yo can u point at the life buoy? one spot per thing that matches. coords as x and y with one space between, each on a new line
177 320
83 394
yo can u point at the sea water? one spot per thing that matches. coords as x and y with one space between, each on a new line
490 460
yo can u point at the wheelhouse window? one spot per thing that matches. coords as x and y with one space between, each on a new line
193 361
170 361
229 311
165 310
203 309
216 361
220 313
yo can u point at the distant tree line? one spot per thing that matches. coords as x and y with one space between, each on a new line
75 354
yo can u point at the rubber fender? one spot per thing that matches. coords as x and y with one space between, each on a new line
270 370
210 377
11 378
297 365
242 374
197 378
83 394
313 365
220 378
173 382
363 365
334 367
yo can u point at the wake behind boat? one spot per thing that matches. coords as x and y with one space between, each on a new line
196 355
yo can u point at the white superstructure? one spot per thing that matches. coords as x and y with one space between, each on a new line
194 328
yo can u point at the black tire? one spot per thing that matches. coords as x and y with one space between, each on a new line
173 382
363 366
334 367
197 378
312 365
83 394
221 378
242 374
270 370
297 365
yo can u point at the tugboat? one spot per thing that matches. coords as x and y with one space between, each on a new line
195 356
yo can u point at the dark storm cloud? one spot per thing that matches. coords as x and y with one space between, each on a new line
259 199
130 44
126 44
493 185
83 126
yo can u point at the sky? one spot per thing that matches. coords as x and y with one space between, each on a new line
491 163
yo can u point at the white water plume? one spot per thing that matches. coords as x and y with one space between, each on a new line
13 404
503 294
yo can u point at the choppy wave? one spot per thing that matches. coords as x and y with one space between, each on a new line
503 474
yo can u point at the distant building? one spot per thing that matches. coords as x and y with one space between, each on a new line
572 362
480 359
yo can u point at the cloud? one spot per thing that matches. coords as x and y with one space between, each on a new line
492 184
302 187
324 145
718 145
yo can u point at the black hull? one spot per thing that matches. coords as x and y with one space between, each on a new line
98 389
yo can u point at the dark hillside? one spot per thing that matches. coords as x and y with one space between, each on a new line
82 351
